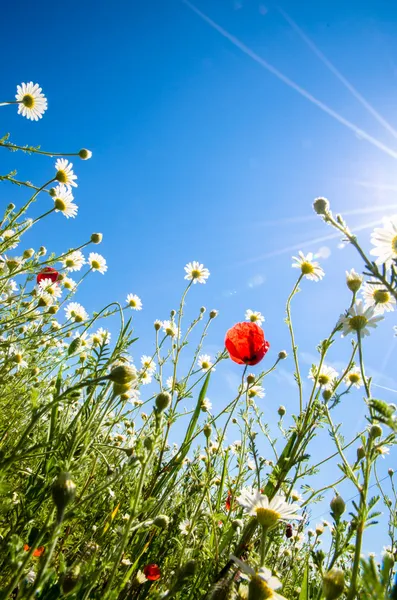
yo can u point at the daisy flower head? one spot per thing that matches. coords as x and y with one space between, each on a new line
134 302
85 341
309 268
377 297
101 336
196 272
145 377
204 362
68 283
353 280
32 103
63 201
256 391
49 287
169 328
148 363
18 359
186 527
385 241
268 512
383 451
325 378
169 383
359 319
74 261
75 311
206 405
97 262
64 173
353 378
262 584
254 316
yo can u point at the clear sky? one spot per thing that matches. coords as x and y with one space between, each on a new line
200 152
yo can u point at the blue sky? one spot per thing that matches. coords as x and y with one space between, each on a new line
201 153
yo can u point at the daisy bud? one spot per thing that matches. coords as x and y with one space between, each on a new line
63 492
96 238
53 310
203 309
353 280
163 400
337 506
207 430
321 206
250 378
122 374
281 410
319 529
234 421
390 472
28 253
42 251
35 371
375 431
213 314
173 313
282 355
52 192
333 584
162 522
121 388
360 453
327 395
237 524
85 154
11 206
157 325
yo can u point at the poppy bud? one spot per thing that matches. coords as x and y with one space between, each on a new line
333 584
288 531
163 400
360 453
207 430
375 431
63 492
162 521
96 238
281 410
122 374
85 154
282 355
47 273
152 572
321 206
337 506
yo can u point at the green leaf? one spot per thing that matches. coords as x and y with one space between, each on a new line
304 594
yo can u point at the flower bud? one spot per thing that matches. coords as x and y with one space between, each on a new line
250 378
282 355
163 401
321 206
148 443
327 395
333 584
119 389
281 410
319 530
360 453
157 325
162 521
375 431
53 310
337 506
173 313
237 524
213 314
52 192
207 430
28 253
353 280
42 251
85 154
11 206
203 309
122 374
96 238
390 472
63 492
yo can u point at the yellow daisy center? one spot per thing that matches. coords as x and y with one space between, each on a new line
132 303
18 358
70 262
60 204
253 318
195 273
358 322
394 244
267 517
324 379
95 264
259 590
61 176
78 318
354 377
381 296
307 268
169 331
28 101
205 365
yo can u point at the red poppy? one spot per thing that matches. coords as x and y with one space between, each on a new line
37 552
47 273
288 531
246 343
228 503
152 572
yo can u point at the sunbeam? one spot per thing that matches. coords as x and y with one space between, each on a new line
236 42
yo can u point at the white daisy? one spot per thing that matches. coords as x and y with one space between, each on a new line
9 235
235 447
385 241
185 527
296 496
206 405
64 173
254 316
97 262
204 362
148 363
359 319
32 103
63 201
74 261
309 268
378 298
169 328
262 583
85 341
145 377
9 287
383 450
326 376
101 336
353 280
134 302
256 391
169 384
68 283
18 359
353 378
196 272
75 311
49 287
267 512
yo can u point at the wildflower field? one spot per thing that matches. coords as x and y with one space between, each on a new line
110 492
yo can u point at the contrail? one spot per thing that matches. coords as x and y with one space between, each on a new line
382 187
236 42
339 75
384 388
301 245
